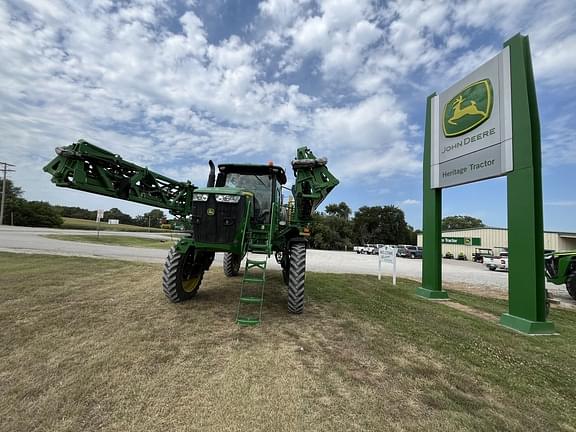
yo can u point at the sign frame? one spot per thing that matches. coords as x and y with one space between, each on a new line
526 289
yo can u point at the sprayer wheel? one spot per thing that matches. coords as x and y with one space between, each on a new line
296 278
231 264
571 284
182 275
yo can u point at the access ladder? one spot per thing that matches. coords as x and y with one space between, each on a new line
252 293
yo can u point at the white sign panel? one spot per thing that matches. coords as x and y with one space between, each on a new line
472 126
99 215
387 254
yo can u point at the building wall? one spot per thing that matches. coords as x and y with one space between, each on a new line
492 238
567 242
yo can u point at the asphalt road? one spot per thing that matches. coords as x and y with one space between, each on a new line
467 274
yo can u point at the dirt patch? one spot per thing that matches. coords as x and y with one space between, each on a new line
471 311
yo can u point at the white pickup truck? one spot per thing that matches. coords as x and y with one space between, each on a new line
368 249
499 262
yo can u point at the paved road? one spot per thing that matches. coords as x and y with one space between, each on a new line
31 240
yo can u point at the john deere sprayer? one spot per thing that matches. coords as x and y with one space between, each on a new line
239 211
561 269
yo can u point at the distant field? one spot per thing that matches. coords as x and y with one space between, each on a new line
115 240
93 345
83 224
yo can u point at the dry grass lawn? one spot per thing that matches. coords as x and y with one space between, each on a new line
89 345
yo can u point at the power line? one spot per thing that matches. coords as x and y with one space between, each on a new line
5 169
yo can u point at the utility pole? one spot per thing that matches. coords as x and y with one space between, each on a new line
5 169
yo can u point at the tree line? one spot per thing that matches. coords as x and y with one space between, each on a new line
333 229
22 212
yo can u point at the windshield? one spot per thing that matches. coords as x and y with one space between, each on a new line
260 185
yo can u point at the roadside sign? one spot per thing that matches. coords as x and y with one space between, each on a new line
99 215
472 126
387 254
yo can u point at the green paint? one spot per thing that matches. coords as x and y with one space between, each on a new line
526 326
526 290
431 224
468 109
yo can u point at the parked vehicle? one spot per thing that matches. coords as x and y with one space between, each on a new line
413 252
449 255
401 251
481 253
240 211
499 262
462 257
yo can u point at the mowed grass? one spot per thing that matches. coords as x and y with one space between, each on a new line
84 224
94 345
116 240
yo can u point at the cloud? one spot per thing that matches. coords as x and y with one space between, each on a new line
408 202
561 203
148 80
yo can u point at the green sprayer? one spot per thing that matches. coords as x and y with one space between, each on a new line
240 210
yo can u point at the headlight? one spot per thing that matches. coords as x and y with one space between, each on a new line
199 197
228 198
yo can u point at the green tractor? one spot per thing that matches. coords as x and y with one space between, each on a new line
560 269
239 211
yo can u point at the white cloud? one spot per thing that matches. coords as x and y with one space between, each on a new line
408 202
146 80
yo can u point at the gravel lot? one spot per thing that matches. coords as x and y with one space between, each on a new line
464 274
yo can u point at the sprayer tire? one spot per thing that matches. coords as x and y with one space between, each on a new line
296 278
231 264
182 276
571 285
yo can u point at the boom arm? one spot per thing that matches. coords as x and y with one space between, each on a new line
313 183
89 168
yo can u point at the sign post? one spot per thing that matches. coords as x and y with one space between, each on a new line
99 215
387 254
485 126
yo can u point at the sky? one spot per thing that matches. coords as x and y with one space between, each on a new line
171 84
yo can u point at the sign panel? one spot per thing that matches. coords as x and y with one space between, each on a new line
99 215
467 241
472 126
387 254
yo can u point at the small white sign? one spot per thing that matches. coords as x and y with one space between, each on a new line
387 254
99 215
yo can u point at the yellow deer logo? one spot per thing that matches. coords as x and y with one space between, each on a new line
460 112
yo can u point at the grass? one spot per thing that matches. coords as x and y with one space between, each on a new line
94 345
116 240
83 224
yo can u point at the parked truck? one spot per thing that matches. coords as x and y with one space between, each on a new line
499 261
239 211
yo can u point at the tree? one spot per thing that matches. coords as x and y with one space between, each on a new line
339 210
460 222
115 213
28 213
153 219
381 224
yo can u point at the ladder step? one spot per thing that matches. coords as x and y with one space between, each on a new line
253 279
255 262
251 299
247 321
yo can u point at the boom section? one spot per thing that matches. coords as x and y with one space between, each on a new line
312 185
89 168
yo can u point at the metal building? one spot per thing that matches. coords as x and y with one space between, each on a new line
468 240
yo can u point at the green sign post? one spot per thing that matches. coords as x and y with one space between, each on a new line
485 126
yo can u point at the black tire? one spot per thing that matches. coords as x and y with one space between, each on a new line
571 284
182 276
296 278
231 264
